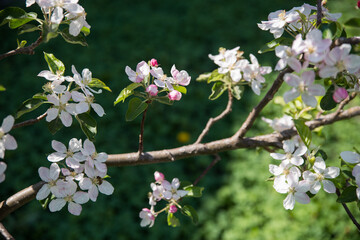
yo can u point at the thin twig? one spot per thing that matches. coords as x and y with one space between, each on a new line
319 13
29 122
4 232
347 210
29 50
211 121
256 110
344 102
216 159
141 136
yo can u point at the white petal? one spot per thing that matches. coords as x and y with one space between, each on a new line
82 107
57 204
106 188
350 157
309 100
278 156
52 113
289 202
85 183
290 95
9 142
81 197
44 174
66 118
56 157
74 208
98 109
89 147
54 171
302 198
7 123
101 157
93 193
331 172
57 15
329 186
43 192
58 146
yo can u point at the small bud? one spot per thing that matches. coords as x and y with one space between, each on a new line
174 95
358 4
340 94
172 209
159 177
152 90
153 62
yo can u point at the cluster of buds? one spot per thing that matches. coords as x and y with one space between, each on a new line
81 176
152 77
162 190
240 70
55 11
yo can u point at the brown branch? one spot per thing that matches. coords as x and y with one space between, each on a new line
319 13
256 110
344 102
211 121
169 155
216 159
342 40
4 232
29 122
29 50
347 210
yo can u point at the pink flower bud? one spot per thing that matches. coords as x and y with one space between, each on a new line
152 90
150 214
172 209
153 62
174 95
159 177
340 94
358 4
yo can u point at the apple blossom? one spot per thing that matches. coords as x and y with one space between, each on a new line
147 217
180 77
153 62
152 90
93 159
171 190
161 79
2 171
50 176
172 208
61 108
294 156
142 71
287 56
280 124
84 81
350 157
285 169
159 177
174 95
84 103
6 140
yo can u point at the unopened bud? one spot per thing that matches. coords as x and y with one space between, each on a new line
340 94
172 209
152 90
153 62
159 177
174 95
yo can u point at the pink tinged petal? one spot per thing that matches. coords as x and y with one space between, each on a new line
44 174
289 202
143 68
290 95
74 208
340 94
316 90
54 171
329 186
9 142
66 118
331 172
81 197
89 147
56 157
102 157
308 77
302 198
309 100
85 183
93 193
98 109
278 156
43 192
106 188
52 113
166 185
56 205
131 73
7 123
58 146
72 163
350 157
82 107
294 64
315 187
100 166
78 97
159 83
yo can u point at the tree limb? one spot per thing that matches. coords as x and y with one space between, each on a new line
4 232
29 50
319 13
29 122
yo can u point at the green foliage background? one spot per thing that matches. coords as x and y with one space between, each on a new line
238 203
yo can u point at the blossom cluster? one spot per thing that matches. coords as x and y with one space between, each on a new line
143 72
81 176
239 69
161 190
56 10
7 142
60 95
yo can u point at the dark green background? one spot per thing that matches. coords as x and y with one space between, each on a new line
237 202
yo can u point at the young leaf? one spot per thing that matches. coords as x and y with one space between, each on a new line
30 105
164 100
180 89
303 130
10 13
2 88
79 39
217 90
203 77
136 107
270 46
85 31
172 220
88 125
216 76
55 65
194 191
18 22
55 125
237 91
126 92
327 102
189 211
353 22
97 83
348 195
28 28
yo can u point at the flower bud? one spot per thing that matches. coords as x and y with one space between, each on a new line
152 90
153 62
174 95
172 209
340 94
159 177
358 4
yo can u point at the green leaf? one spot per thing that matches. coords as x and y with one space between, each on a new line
29 105
55 65
18 22
270 46
194 191
16 17
321 153
164 100
216 76
79 39
28 28
97 83
136 107
189 211
88 125
2 88
203 77
180 89
85 31
332 30
172 220
237 91
49 32
217 90
55 125
353 22
304 131
327 102
348 195
126 92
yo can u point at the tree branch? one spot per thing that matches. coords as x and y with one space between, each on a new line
319 13
211 121
29 50
342 40
256 110
347 210
169 155
5 233
214 161
29 122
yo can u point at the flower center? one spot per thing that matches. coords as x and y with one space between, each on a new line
319 177
282 15
1 134
302 87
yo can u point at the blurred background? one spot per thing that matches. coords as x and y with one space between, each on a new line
237 203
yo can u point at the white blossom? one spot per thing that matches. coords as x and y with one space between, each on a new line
142 71
171 190
6 140
2 171
85 102
61 108
50 176
147 217
294 156
253 74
